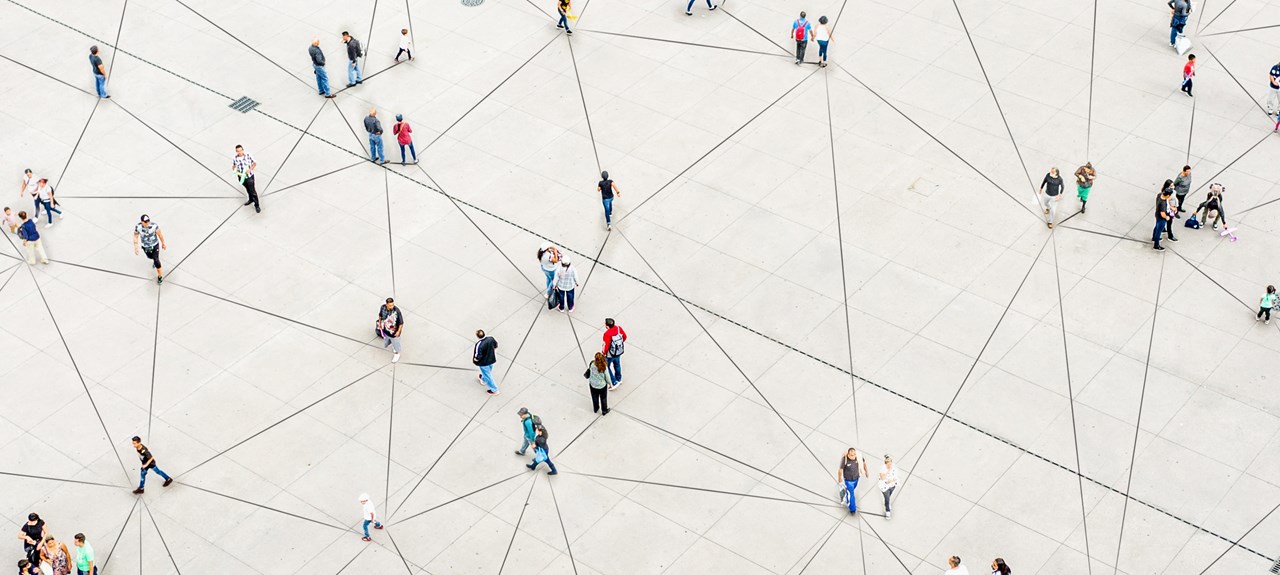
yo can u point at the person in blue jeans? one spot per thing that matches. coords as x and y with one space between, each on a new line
848 473
1181 10
540 451
354 75
374 127
368 515
822 35
562 7
607 190
688 10
526 425
148 464
44 197
99 72
549 260
484 355
317 63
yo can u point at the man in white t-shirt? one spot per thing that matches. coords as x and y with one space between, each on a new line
369 516
955 568
28 188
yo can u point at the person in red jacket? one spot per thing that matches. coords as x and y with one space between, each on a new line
614 342
402 130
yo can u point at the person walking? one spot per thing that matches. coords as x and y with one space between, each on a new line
598 383
44 197
11 220
562 8
1084 182
566 281
540 451
1188 73
1267 302
484 355
353 60
369 515
954 567
688 10
28 189
1051 192
55 553
847 475
149 235
148 464
404 137
374 127
801 32
549 259
244 165
30 237
84 556
390 325
1181 10
1162 218
32 534
99 72
317 64
607 190
1273 91
615 340
527 422
406 45
1182 187
999 567
822 35
1212 204
888 482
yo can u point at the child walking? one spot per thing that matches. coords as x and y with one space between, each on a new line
1268 302
11 220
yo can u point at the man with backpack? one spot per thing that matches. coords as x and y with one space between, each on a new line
615 340
353 60
527 422
801 32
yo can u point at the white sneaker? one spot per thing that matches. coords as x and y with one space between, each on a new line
395 358
888 514
48 225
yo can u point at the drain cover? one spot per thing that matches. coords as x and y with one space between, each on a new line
472 3
1276 568
243 105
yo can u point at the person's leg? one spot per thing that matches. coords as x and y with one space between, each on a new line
395 345
1273 100
850 486
49 208
359 72
887 493
403 159
1260 311
1182 202
1053 210
398 53
31 252
551 466
1156 233
413 152
365 526
608 210
373 153
39 244
551 276
1173 32
604 400
486 374
615 369
822 50
524 445
800 46
595 400
251 186
560 306
100 83
161 473
689 9
142 478
569 294
37 204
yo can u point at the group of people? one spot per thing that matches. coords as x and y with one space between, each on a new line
1171 204
954 567
41 195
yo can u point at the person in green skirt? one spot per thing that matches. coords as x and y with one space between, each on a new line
1084 182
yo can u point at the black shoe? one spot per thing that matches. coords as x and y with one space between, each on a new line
530 466
331 95
1173 239
159 279
553 473
605 412
168 482
359 81
1159 248
566 31
248 202
559 26
257 209
138 490
1178 215
321 93
350 85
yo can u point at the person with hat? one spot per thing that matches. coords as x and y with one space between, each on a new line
402 131
566 281
526 425
549 258
152 239
369 516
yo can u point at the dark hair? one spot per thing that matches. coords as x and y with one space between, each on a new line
33 517
23 564
802 14
479 333
42 181
1270 289
239 147
599 362
93 49
822 19
391 300
1191 57
1002 568
608 321
1186 167
1165 188
137 439
79 537
604 175
345 33
954 559
543 429
22 214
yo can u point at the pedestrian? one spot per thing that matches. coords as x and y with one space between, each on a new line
1188 73
84 556
688 10
99 72
607 190
598 383
369 516
1181 10
11 220
406 45
30 237
1084 182
26 567
353 60
1213 205
527 422
562 7
374 127
822 34
566 281
32 533
549 259
615 340
1273 91
1172 209
1051 192
149 235
1267 302
317 64
390 325
801 31
148 464
44 197
954 567
540 451
484 355
1162 218
888 482
999 567
402 130
244 165
847 475
1182 187
55 553
28 188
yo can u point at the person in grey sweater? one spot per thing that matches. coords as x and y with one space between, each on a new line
374 127
317 63
1182 187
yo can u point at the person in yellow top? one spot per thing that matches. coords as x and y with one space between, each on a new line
562 6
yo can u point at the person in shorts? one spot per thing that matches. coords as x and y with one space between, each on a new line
148 235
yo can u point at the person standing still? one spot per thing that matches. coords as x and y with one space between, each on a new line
374 127
540 451
999 567
84 556
484 355
99 72
1162 218
1182 187
368 515
549 260
822 34
1188 74
1273 91
32 533
954 567
615 340
244 165
1084 183
562 8
527 422
390 325
848 473
607 190
1181 10
566 281
801 31
888 482
152 240
30 237
406 45
353 60
148 464
317 64
1172 208
1051 192
597 376
403 132
1267 302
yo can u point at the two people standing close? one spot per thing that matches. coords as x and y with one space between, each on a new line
803 32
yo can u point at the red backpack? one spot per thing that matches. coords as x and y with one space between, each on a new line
800 30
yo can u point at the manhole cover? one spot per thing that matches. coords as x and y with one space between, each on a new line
472 3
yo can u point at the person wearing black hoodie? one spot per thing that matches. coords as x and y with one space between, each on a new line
484 355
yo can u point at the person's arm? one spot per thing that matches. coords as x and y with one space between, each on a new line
135 242
400 325
865 473
160 234
616 191
840 471
102 69
253 166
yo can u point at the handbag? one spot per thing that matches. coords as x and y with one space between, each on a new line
1182 44
1192 222
539 455
587 374
553 300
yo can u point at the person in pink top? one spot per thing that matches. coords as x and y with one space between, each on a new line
402 131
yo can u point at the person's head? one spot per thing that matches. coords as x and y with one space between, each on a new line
564 261
999 566
23 566
604 175
523 413
315 41
1271 289
32 517
364 497
1088 165
608 322
1186 170
239 150
822 19
1191 57
22 215
50 542
345 36
373 111
79 539
479 334
93 50
137 441
1167 188
851 453
404 31
802 15
540 430
391 303
953 561
888 460
42 182
6 210
146 223
599 362
399 117
1053 171
27 171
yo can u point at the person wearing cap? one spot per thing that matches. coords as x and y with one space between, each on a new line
32 533
566 281
389 325
607 190
369 516
526 425
403 137
484 355
152 239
